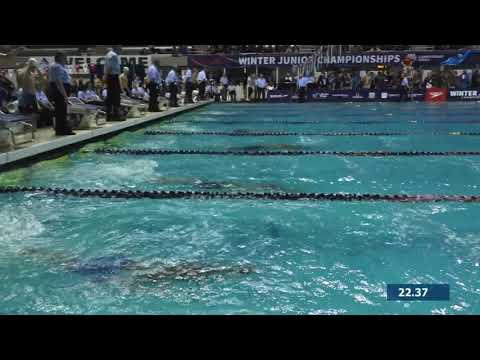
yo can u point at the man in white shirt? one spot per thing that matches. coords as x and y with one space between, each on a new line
112 72
201 83
154 82
261 84
224 83
171 82
188 86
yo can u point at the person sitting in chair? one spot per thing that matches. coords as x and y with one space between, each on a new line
44 106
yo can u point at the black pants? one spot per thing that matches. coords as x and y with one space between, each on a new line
224 92
260 93
250 91
45 117
233 96
404 93
201 90
113 97
61 124
172 88
301 94
153 97
188 92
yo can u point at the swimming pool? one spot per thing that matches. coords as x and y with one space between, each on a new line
92 255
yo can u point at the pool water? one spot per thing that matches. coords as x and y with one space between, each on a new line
67 255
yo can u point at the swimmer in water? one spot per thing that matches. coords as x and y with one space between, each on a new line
216 185
268 147
188 271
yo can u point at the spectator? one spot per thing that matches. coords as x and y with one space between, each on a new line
332 81
27 76
464 82
240 92
138 91
379 81
232 92
388 80
366 81
91 94
104 93
123 78
404 88
81 94
260 85
44 106
427 82
251 87
417 80
347 81
475 79
98 85
356 82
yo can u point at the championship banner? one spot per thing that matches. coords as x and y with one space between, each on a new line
463 95
365 59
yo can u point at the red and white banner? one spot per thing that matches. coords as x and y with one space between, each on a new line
436 95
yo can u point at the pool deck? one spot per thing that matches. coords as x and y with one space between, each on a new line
46 140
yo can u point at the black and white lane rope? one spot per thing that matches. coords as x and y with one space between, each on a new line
281 133
124 194
113 151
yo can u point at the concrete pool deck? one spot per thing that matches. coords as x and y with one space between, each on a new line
46 140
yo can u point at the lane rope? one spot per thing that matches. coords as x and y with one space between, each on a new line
293 122
124 194
113 151
280 133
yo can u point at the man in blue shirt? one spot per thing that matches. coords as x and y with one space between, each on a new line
59 88
201 83
261 84
154 82
302 87
171 82
112 72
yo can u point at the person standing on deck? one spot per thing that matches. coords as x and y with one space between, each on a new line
261 84
154 83
224 83
59 88
201 83
302 84
112 72
171 82
188 86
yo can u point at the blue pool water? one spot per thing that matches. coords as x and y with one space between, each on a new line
143 256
